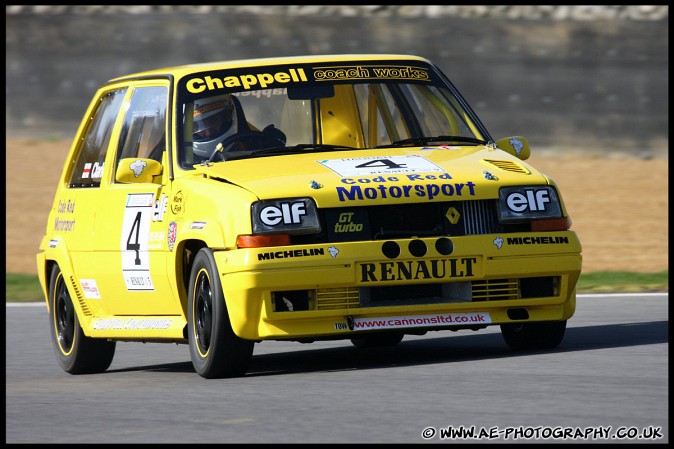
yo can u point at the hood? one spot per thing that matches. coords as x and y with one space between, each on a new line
379 176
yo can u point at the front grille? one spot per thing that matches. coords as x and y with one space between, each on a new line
479 217
337 298
451 292
495 289
455 218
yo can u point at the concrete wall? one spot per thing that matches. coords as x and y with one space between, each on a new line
593 86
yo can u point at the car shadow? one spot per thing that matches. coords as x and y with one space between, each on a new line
443 349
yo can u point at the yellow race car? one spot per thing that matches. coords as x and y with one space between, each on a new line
352 197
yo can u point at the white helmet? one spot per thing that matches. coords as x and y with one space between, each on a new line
214 120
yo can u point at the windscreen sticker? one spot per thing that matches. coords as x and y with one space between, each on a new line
134 242
382 72
381 165
275 77
247 81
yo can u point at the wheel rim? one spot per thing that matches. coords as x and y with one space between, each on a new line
64 317
203 312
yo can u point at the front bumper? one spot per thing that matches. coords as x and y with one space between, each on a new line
355 287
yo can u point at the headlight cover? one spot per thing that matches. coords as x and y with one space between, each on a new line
528 202
292 216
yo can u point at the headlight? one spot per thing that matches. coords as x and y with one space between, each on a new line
528 202
292 216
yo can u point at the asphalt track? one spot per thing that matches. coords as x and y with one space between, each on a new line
608 379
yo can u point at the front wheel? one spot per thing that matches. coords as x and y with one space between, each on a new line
532 336
75 352
214 348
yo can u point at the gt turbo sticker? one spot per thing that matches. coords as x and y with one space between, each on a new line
375 165
134 242
407 270
261 80
398 322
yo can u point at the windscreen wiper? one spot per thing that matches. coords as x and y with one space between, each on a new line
293 149
427 139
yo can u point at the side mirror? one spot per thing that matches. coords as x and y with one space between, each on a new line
134 170
517 146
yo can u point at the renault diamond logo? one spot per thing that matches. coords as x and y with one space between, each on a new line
453 215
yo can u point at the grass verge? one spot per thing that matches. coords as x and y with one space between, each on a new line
623 282
26 287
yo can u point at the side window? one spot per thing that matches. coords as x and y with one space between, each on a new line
90 161
144 128
436 117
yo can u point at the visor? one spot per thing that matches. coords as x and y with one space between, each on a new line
211 114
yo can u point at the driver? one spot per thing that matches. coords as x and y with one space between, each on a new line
215 119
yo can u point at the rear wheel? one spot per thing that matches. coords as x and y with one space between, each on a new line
75 352
531 336
214 348
378 340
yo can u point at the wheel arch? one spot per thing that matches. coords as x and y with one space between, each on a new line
184 259
76 295
58 255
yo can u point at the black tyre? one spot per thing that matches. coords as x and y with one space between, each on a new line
532 336
378 340
214 348
75 352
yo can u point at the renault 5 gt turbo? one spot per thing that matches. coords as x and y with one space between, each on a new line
353 197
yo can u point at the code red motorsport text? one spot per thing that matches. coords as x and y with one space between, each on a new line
380 190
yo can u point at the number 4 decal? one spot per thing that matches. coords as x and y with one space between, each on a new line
134 241
134 231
